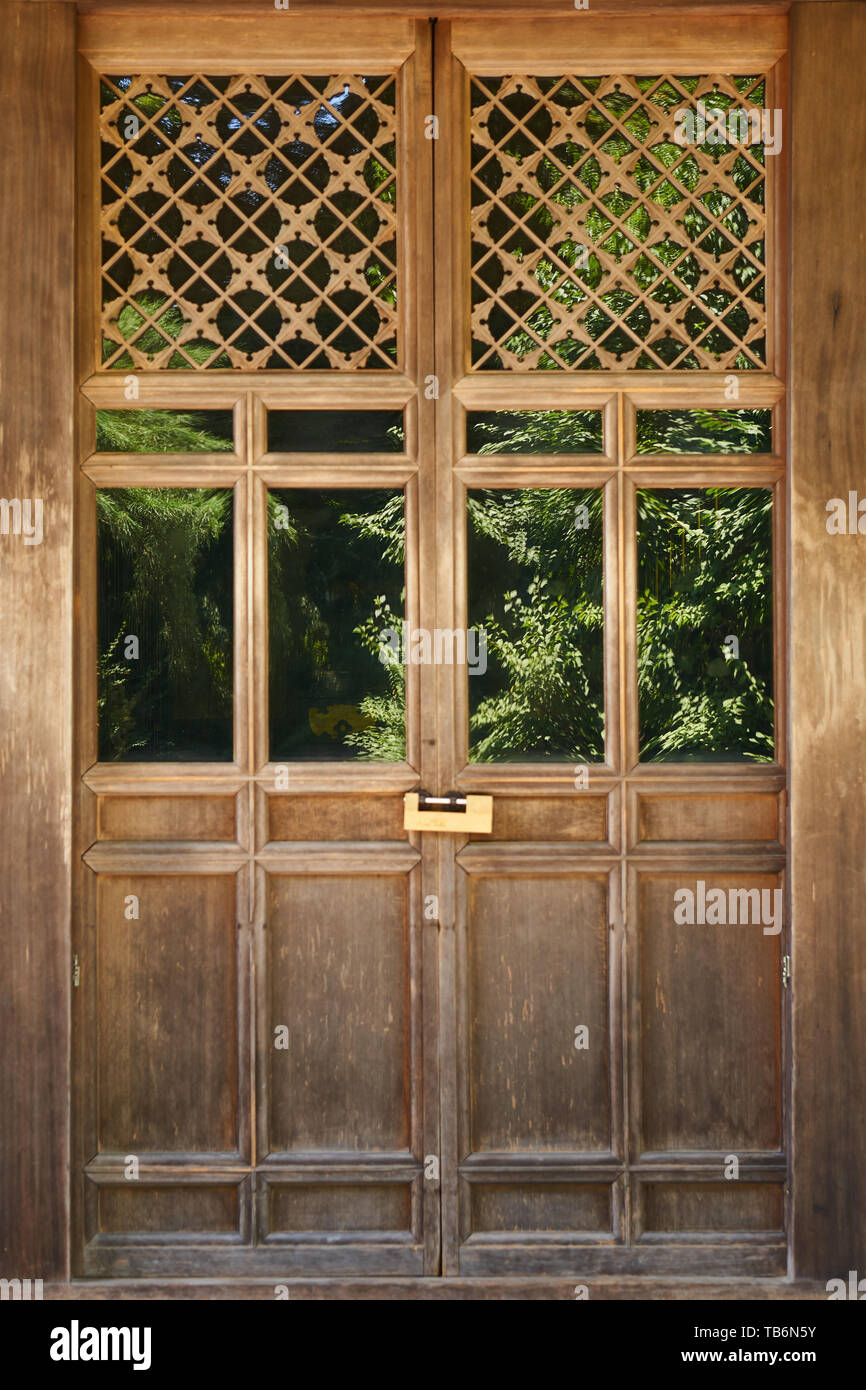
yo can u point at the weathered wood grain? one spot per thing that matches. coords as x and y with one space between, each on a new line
37 102
828 643
602 1289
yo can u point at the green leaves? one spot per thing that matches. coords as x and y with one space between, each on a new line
535 588
705 575
163 578
156 432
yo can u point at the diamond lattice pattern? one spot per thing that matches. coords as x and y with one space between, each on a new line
598 241
249 222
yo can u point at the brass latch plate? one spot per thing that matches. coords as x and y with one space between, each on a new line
454 814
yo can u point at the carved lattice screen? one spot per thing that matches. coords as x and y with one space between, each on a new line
249 222
598 241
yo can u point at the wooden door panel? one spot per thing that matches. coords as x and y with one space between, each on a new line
536 967
333 818
507 1209
168 1004
129 1210
169 818
539 1118
692 1209
165 1130
163 1222
382 1212
580 820
706 1021
338 971
673 817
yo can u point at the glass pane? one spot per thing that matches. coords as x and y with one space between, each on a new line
335 431
705 625
165 577
534 432
704 431
535 588
335 565
164 432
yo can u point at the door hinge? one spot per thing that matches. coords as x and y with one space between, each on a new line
786 971
76 972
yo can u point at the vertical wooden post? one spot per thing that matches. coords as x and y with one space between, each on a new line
828 641
37 285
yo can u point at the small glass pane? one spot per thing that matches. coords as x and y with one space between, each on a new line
704 431
335 565
534 432
535 588
165 576
164 432
335 431
705 625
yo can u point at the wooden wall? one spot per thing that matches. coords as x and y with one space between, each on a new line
37 239
828 641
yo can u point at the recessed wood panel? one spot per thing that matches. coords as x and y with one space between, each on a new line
536 969
723 1206
201 818
338 979
540 1207
753 817
579 818
336 817
137 1208
708 1025
167 1001
343 1206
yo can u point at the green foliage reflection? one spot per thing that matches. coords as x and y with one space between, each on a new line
535 587
165 579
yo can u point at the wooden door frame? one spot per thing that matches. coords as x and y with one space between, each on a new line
827 763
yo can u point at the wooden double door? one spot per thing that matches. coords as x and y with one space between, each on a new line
431 437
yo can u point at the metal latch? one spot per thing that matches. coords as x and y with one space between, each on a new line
786 970
453 812
451 801
76 972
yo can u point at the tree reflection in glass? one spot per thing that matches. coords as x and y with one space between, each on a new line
705 624
335 567
144 431
535 587
165 602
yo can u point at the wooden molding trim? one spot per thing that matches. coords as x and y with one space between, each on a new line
373 41
604 43
445 9
441 1290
